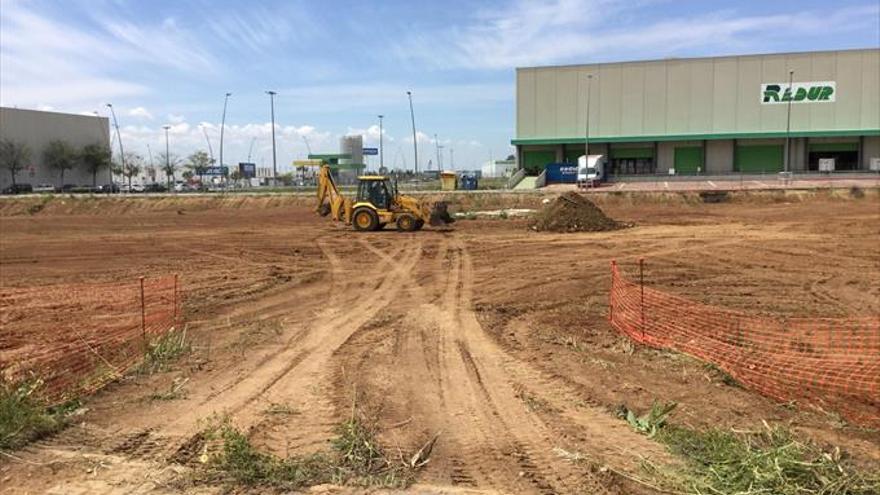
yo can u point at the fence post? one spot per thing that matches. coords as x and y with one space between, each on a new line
143 315
642 288
611 294
174 302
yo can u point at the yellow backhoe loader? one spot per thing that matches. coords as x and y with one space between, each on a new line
378 203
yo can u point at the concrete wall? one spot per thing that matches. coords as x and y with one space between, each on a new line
696 96
37 129
870 149
719 156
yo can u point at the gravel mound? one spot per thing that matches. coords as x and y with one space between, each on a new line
572 212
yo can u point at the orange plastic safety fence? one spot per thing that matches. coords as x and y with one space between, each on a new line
79 338
831 363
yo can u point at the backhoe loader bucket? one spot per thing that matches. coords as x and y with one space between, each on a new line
440 214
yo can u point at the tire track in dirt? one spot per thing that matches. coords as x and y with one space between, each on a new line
444 373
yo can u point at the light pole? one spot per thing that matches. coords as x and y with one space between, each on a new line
437 149
167 156
222 127
274 156
118 138
788 122
415 141
587 125
109 143
381 155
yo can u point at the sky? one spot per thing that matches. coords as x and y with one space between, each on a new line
337 65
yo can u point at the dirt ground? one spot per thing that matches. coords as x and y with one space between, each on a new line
489 334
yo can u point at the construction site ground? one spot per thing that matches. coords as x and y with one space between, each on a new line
492 335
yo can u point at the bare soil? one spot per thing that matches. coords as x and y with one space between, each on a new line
491 334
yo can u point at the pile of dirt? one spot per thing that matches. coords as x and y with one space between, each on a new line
572 212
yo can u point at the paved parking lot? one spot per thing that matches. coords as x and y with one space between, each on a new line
755 183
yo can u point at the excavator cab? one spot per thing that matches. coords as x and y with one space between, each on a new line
376 190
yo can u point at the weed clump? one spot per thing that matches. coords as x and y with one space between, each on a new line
770 461
356 459
164 350
23 417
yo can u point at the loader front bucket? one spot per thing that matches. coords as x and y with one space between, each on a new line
440 214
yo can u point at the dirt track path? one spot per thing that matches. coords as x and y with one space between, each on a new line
446 375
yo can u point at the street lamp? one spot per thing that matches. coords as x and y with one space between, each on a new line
788 122
118 138
381 155
167 156
587 125
222 126
415 141
274 156
437 149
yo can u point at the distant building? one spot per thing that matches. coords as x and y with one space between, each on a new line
498 168
37 129
715 115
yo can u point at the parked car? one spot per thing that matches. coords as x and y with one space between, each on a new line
109 188
19 189
155 188
44 188
134 188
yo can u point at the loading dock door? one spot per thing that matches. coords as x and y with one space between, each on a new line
760 158
845 155
535 161
689 160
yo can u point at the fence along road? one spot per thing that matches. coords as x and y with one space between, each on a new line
829 363
77 338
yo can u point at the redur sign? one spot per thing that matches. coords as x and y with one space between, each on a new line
800 92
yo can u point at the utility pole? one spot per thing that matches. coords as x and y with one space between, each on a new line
587 125
381 155
274 155
251 148
118 138
788 122
451 158
167 156
415 141
152 166
222 127
208 140
437 148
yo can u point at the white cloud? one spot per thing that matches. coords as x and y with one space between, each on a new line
140 113
176 119
527 32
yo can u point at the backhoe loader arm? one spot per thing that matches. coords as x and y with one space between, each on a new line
330 201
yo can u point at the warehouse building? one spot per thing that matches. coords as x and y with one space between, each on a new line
36 129
717 115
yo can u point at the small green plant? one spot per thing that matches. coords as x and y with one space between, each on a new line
164 350
503 215
771 461
23 417
356 459
282 409
38 206
651 422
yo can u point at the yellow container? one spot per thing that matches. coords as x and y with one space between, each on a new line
448 181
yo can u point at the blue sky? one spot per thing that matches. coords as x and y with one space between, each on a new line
336 65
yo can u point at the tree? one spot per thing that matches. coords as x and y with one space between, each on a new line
198 163
134 163
14 156
61 156
169 166
95 157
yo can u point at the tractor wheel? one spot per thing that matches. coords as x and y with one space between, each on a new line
419 224
381 226
406 222
365 219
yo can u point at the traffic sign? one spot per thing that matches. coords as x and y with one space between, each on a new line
371 151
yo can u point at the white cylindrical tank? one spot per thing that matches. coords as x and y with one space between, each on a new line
354 146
